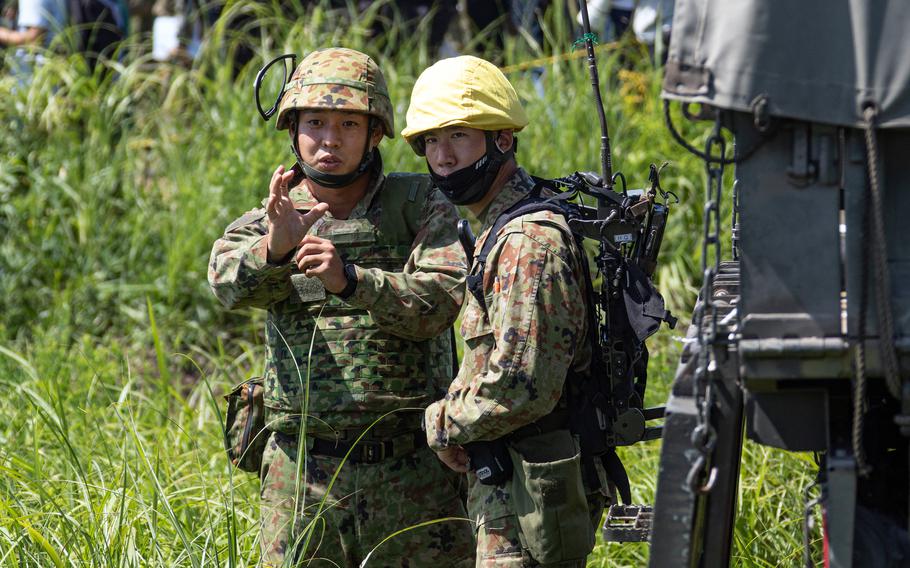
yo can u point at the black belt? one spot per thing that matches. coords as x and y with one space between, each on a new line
556 420
370 451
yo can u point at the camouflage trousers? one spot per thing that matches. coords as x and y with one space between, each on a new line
367 503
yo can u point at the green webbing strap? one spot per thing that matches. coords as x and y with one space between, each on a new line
403 197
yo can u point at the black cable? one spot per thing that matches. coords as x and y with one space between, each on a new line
702 155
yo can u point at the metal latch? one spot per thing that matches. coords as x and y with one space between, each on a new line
802 169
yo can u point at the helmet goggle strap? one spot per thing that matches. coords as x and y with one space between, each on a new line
334 181
471 183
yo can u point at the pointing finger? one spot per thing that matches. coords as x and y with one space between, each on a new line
285 179
276 175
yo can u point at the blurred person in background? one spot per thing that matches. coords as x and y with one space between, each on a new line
141 16
182 27
651 23
403 17
609 18
8 13
97 27
37 24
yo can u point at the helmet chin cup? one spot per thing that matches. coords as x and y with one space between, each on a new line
335 181
260 76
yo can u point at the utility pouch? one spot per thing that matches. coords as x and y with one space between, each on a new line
490 461
244 430
549 498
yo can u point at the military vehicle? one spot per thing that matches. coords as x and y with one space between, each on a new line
801 332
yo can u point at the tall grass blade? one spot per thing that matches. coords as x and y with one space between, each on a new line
366 559
42 542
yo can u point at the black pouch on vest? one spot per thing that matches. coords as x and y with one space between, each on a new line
490 461
244 430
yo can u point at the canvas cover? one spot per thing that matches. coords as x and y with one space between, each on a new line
815 60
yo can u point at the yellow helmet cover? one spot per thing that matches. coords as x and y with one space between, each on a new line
463 91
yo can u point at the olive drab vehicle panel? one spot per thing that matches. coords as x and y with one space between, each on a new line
802 340
822 62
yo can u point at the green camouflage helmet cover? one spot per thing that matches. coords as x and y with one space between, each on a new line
338 78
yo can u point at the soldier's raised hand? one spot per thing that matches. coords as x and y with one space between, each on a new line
287 226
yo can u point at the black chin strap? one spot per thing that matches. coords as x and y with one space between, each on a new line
334 181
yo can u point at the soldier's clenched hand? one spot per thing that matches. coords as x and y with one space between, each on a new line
287 226
455 457
317 257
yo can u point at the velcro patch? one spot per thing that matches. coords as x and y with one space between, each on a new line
308 289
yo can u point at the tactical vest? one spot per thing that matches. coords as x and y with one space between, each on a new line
353 371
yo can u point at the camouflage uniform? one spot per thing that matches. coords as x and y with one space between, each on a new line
516 357
345 363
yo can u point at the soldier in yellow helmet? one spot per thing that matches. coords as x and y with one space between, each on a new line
504 417
362 277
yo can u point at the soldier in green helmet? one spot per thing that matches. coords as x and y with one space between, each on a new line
362 277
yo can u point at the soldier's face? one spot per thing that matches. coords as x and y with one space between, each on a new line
452 148
333 141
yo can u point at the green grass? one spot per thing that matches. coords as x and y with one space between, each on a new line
112 190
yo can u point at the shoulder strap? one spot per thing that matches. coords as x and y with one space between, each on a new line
403 197
531 204
245 219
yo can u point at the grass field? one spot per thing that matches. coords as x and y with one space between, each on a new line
114 354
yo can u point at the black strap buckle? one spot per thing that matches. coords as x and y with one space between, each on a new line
374 451
368 451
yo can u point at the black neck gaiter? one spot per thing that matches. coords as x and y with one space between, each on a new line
469 184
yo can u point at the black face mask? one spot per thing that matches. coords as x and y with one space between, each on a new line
333 181
471 183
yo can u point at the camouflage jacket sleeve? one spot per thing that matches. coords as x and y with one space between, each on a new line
517 358
239 272
424 299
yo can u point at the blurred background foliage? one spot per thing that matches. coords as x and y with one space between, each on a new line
114 185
